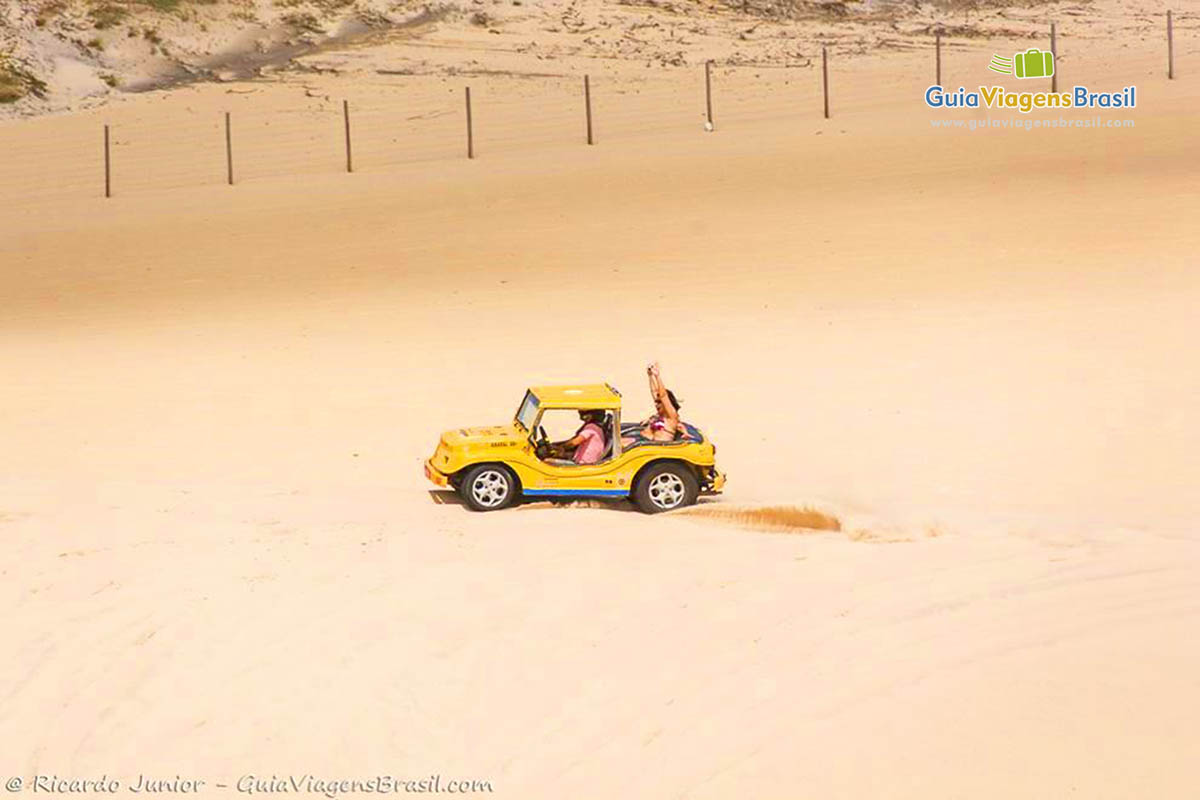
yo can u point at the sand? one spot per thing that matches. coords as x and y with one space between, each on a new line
221 558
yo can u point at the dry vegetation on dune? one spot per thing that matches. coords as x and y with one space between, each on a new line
106 14
792 9
111 43
982 5
827 9
17 82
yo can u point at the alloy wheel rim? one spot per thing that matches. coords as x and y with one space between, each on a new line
666 490
490 488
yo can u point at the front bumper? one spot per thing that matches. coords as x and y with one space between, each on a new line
438 478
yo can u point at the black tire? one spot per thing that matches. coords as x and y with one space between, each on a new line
665 486
488 487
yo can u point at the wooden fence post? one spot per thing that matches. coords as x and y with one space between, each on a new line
229 148
825 77
1170 48
470 128
708 95
107 165
1054 56
349 152
587 101
938 49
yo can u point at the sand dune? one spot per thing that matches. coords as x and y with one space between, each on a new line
221 557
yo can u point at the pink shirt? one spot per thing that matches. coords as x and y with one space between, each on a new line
592 446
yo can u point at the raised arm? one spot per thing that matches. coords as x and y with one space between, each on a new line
659 391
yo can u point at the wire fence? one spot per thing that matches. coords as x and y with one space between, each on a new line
388 121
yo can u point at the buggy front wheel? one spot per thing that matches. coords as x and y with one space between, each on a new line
488 487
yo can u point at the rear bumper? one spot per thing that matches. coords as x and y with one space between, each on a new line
714 482
438 478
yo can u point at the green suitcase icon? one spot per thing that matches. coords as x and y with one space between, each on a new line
1033 63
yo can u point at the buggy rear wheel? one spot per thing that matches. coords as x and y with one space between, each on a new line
665 487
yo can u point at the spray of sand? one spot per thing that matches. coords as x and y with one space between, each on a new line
784 519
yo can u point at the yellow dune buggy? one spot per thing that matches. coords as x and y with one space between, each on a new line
493 467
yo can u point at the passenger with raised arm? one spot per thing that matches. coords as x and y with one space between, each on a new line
665 425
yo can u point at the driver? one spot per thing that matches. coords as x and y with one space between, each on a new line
587 445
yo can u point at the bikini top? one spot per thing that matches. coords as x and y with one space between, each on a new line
657 423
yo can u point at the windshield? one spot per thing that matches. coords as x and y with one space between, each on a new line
527 413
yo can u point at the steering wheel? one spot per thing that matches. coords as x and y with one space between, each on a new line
541 443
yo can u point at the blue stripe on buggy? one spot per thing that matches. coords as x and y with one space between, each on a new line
575 492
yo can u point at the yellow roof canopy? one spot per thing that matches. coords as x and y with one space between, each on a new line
578 396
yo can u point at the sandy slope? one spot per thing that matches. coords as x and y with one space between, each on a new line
69 54
220 557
